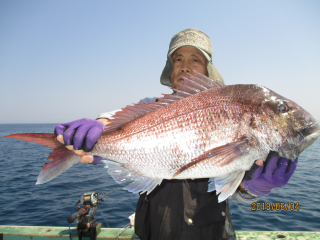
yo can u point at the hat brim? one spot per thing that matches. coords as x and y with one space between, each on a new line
203 52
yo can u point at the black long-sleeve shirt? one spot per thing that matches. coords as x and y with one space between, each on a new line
182 209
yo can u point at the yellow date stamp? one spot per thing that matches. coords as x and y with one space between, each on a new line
275 206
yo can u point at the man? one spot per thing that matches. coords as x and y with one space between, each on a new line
183 209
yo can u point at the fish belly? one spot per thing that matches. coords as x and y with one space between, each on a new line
160 150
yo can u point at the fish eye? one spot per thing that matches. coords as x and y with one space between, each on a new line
283 107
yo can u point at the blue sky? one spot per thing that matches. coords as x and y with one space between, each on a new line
65 60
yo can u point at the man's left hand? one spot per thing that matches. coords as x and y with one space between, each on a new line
262 178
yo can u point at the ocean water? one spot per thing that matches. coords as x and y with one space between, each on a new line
27 204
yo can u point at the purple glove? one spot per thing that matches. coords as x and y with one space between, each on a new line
82 134
276 172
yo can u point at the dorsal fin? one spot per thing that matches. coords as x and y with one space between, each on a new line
187 87
209 81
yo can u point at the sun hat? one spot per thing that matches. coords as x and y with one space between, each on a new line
194 38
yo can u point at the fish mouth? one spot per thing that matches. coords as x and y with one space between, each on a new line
310 135
310 129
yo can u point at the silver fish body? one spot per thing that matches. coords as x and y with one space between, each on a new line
204 130
213 133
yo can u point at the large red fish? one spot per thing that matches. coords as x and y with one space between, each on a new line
204 130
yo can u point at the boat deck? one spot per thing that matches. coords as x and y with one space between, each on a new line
50 233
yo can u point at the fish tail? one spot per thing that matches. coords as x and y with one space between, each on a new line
61 158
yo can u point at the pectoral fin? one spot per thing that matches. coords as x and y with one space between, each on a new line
220 156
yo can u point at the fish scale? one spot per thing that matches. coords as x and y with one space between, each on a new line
204 130
180 126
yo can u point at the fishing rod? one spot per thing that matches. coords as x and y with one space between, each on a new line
87 226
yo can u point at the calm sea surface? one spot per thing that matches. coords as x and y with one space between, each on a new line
26 204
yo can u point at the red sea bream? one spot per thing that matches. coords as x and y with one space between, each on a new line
204 130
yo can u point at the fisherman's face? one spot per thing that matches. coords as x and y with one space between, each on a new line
187 60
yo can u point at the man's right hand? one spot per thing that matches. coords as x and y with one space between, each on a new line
80 136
